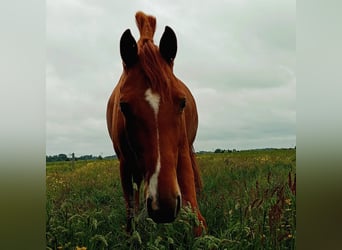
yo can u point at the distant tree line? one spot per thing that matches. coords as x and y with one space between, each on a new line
64 157
219 150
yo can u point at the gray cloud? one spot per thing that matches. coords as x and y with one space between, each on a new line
237 57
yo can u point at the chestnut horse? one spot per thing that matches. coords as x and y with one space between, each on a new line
152 121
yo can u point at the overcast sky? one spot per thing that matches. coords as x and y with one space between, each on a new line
238 57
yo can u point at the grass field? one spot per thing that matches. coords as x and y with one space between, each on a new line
248 200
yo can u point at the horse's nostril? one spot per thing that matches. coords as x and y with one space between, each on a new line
149 203
152 204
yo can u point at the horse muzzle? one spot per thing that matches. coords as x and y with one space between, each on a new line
163 211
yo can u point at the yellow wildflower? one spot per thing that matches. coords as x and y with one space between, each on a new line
288 201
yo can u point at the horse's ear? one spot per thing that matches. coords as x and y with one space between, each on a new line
128 49
168 45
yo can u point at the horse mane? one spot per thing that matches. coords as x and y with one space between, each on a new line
154 66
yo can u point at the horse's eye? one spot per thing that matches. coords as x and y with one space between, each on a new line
182 103
124 108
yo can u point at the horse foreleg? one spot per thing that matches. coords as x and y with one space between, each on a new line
186 181
127 187
136 190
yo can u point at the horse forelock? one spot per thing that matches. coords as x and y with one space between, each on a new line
158 73
146 25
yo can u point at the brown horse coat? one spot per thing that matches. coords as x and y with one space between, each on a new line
152 121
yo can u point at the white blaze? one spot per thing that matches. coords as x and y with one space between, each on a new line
154 99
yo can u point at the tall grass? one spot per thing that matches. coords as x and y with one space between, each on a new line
248 200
